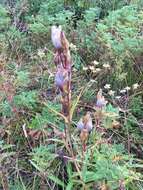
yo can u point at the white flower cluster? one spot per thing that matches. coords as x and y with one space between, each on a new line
94 69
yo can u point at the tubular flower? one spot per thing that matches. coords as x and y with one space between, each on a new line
63 62
85 126
61 78
100 103
85 123
56 36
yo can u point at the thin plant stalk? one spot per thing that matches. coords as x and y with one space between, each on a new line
63 59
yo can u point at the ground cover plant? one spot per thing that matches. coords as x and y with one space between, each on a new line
71 95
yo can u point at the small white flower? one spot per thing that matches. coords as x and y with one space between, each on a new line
106 66
74 69
118 97
127 88
92 80
135 86
97 70
91 68
94 71
95 62
73 47
123 91
107 86
51 74
85 68
40 53
111 92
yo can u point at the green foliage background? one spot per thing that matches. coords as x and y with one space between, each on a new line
110 32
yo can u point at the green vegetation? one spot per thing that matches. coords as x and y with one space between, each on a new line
40 147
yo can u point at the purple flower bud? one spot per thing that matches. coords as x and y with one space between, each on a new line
56 36
89 125
80 125
61 77
100 103
85 123
100 100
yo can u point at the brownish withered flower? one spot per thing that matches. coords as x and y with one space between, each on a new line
104 186
121 185
84 135
116 124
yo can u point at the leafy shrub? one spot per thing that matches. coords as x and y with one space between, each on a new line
136 106
5 20
104 163
6 109
22 79
26 99
47 117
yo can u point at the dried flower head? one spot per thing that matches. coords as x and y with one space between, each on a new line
84 135
104 186
116 124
